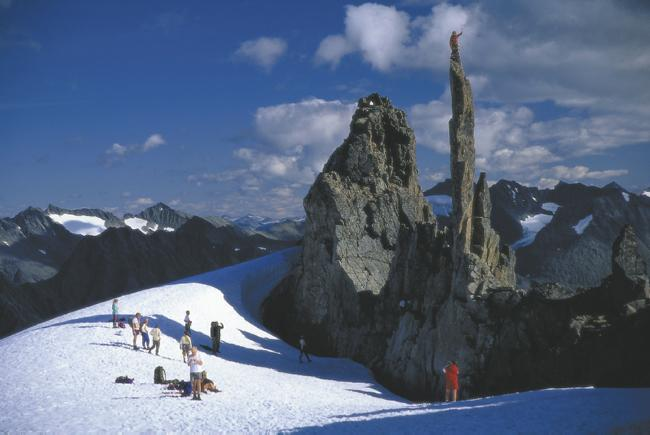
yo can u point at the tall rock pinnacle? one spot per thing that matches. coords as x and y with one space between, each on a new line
461 140
480 261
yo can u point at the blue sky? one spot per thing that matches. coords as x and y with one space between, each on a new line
233 107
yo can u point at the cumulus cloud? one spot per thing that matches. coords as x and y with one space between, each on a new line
527 51
118 152
582 172
298 137
264 51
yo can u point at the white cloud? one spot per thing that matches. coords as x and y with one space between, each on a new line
582 172
140 202
117 149
526 51
153 141
263 51
118 152
332 49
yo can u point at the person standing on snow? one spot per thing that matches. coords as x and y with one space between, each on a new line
155 336
303 348
144 330
451 381
115 310
188 322
215 333
186 345
195 363
135 327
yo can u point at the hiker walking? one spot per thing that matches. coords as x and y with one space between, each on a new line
144 330
186 345
451 381
195 363
155 336
188 322
115 310
303 348
135 327
215 333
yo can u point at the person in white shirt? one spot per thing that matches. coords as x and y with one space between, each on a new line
195 363
155 336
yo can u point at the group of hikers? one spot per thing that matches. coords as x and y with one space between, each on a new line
192 358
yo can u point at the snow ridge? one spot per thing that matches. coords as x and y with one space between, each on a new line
265 389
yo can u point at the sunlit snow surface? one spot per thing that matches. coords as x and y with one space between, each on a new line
83 225
59 377
531 225
582 225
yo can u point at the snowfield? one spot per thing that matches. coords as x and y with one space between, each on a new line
59 377
82 225
531 225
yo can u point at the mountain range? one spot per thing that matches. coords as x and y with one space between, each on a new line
563 234
55 260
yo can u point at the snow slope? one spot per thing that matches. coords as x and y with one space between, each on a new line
531 225
582 225
58 377
83 225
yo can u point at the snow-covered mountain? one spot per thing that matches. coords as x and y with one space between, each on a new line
562 234
59 377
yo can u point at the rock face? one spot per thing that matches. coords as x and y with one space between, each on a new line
366 218
379 281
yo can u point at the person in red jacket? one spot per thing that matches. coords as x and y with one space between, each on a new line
451 381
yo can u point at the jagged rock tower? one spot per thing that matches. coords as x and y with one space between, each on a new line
381 283
480 262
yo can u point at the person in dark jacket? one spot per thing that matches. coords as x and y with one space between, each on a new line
215 333
302 343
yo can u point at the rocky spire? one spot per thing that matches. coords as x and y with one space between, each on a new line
480 262
461 140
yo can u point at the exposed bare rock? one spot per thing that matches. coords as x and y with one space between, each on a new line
626 258
461 140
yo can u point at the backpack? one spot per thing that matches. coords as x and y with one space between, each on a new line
159 375
186 388
215 329
121 325
123 380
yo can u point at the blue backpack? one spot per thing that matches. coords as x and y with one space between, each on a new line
186 388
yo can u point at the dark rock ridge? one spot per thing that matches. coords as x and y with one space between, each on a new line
381 282
121 260
33 247
164 216
558 253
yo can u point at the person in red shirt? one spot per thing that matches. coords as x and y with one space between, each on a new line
451 381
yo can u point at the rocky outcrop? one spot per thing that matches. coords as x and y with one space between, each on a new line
366 224
379 281
462 155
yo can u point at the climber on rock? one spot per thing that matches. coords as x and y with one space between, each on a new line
453 44
453 40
